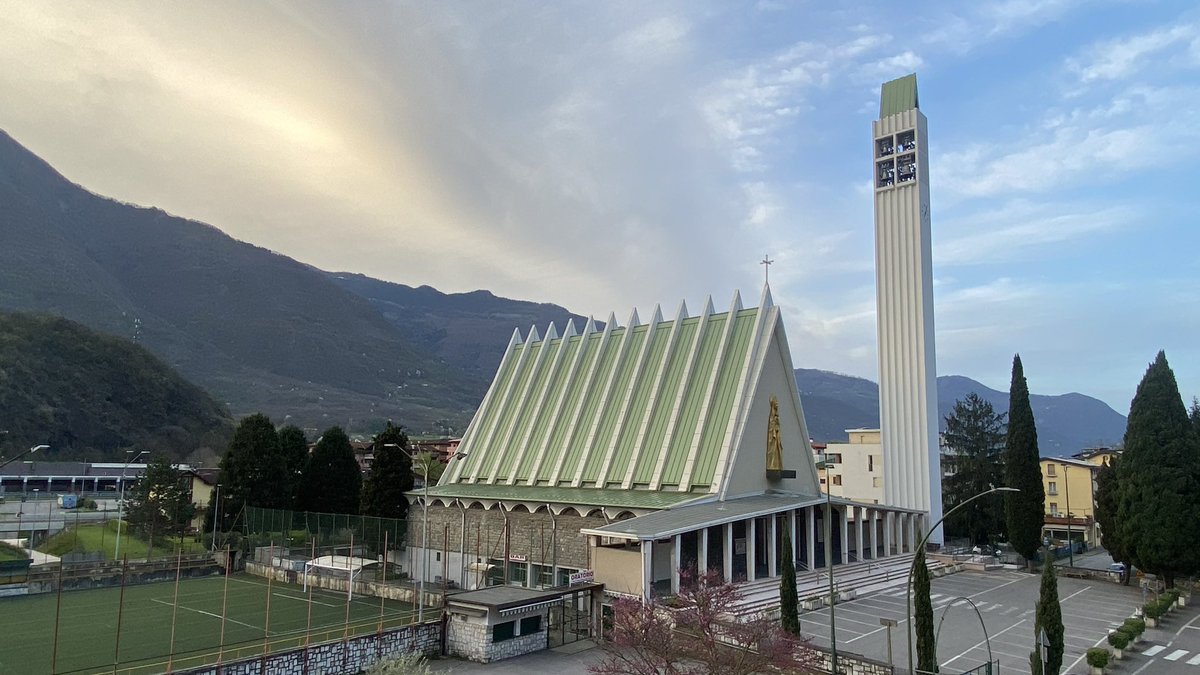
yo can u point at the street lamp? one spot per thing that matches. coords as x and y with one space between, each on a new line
23 454
216 515
33 528
121 503
1070 544
424 521
921 547
825 464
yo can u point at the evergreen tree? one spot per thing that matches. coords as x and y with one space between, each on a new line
1049 617
391 475
789 603
974 441
923 617
293 448
1194 414
160 504
252 470
1158 514
331 481
1024 511
1107 502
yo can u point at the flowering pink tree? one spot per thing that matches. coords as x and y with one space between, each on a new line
699 633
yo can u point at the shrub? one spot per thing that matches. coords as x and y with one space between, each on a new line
1153 609
1097 657
1134 627
1119 639
405 664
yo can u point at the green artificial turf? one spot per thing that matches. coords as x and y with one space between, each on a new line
87 626
90 537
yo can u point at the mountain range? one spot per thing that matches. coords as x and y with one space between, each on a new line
1066 423
263 332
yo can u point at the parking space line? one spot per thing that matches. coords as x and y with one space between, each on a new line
1018 623
1194 661
1175 655
1153 650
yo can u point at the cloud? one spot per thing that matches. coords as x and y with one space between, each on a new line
1020 230
1121 57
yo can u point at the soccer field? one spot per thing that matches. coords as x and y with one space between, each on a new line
87 628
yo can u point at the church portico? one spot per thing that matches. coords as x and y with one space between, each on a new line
742 539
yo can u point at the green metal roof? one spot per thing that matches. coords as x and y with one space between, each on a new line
898 96
630 408
632 499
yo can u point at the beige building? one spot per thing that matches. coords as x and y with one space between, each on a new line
854 469
1070 488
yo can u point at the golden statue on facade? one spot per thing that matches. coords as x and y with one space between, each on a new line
774 442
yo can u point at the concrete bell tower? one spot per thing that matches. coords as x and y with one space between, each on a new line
908 410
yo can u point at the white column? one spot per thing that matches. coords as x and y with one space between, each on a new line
859 521
702 552
912 532
676 561
872 516
845 535
773 544
751 531
727 553
811 536
795 540
647 569
889 531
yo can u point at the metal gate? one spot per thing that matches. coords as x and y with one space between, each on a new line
570 618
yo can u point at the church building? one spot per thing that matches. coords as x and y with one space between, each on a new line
624 454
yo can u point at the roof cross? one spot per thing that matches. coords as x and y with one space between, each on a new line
766 262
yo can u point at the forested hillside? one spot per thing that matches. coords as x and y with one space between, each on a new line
92 396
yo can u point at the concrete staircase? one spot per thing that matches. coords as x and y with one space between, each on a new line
850 581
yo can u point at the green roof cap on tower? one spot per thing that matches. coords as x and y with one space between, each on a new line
898 96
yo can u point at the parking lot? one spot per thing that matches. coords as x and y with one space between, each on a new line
1005 601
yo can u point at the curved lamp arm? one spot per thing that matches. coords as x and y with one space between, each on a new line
921 547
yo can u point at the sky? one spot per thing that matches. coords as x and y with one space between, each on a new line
611 155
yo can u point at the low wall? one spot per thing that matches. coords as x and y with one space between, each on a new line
352 656
850 664
45 578
402 591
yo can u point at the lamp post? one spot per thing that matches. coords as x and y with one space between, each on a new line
121 503
1070 544
23 454
824 464
921 547
424 521
216 515
33 528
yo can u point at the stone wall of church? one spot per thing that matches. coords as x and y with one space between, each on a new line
529 534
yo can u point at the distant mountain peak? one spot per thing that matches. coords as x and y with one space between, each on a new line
1066 423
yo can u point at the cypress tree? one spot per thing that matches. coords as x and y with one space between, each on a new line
1158 515
1049 617
391 475
252 470
332 480
1023 511
293 447
923 617
789 603
1107 501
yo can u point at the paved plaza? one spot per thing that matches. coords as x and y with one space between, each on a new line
1006 601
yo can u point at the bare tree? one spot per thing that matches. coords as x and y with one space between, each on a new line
699 633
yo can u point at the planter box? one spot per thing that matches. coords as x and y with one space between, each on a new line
1151 623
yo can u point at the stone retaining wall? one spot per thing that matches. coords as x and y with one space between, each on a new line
355 655
851 664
